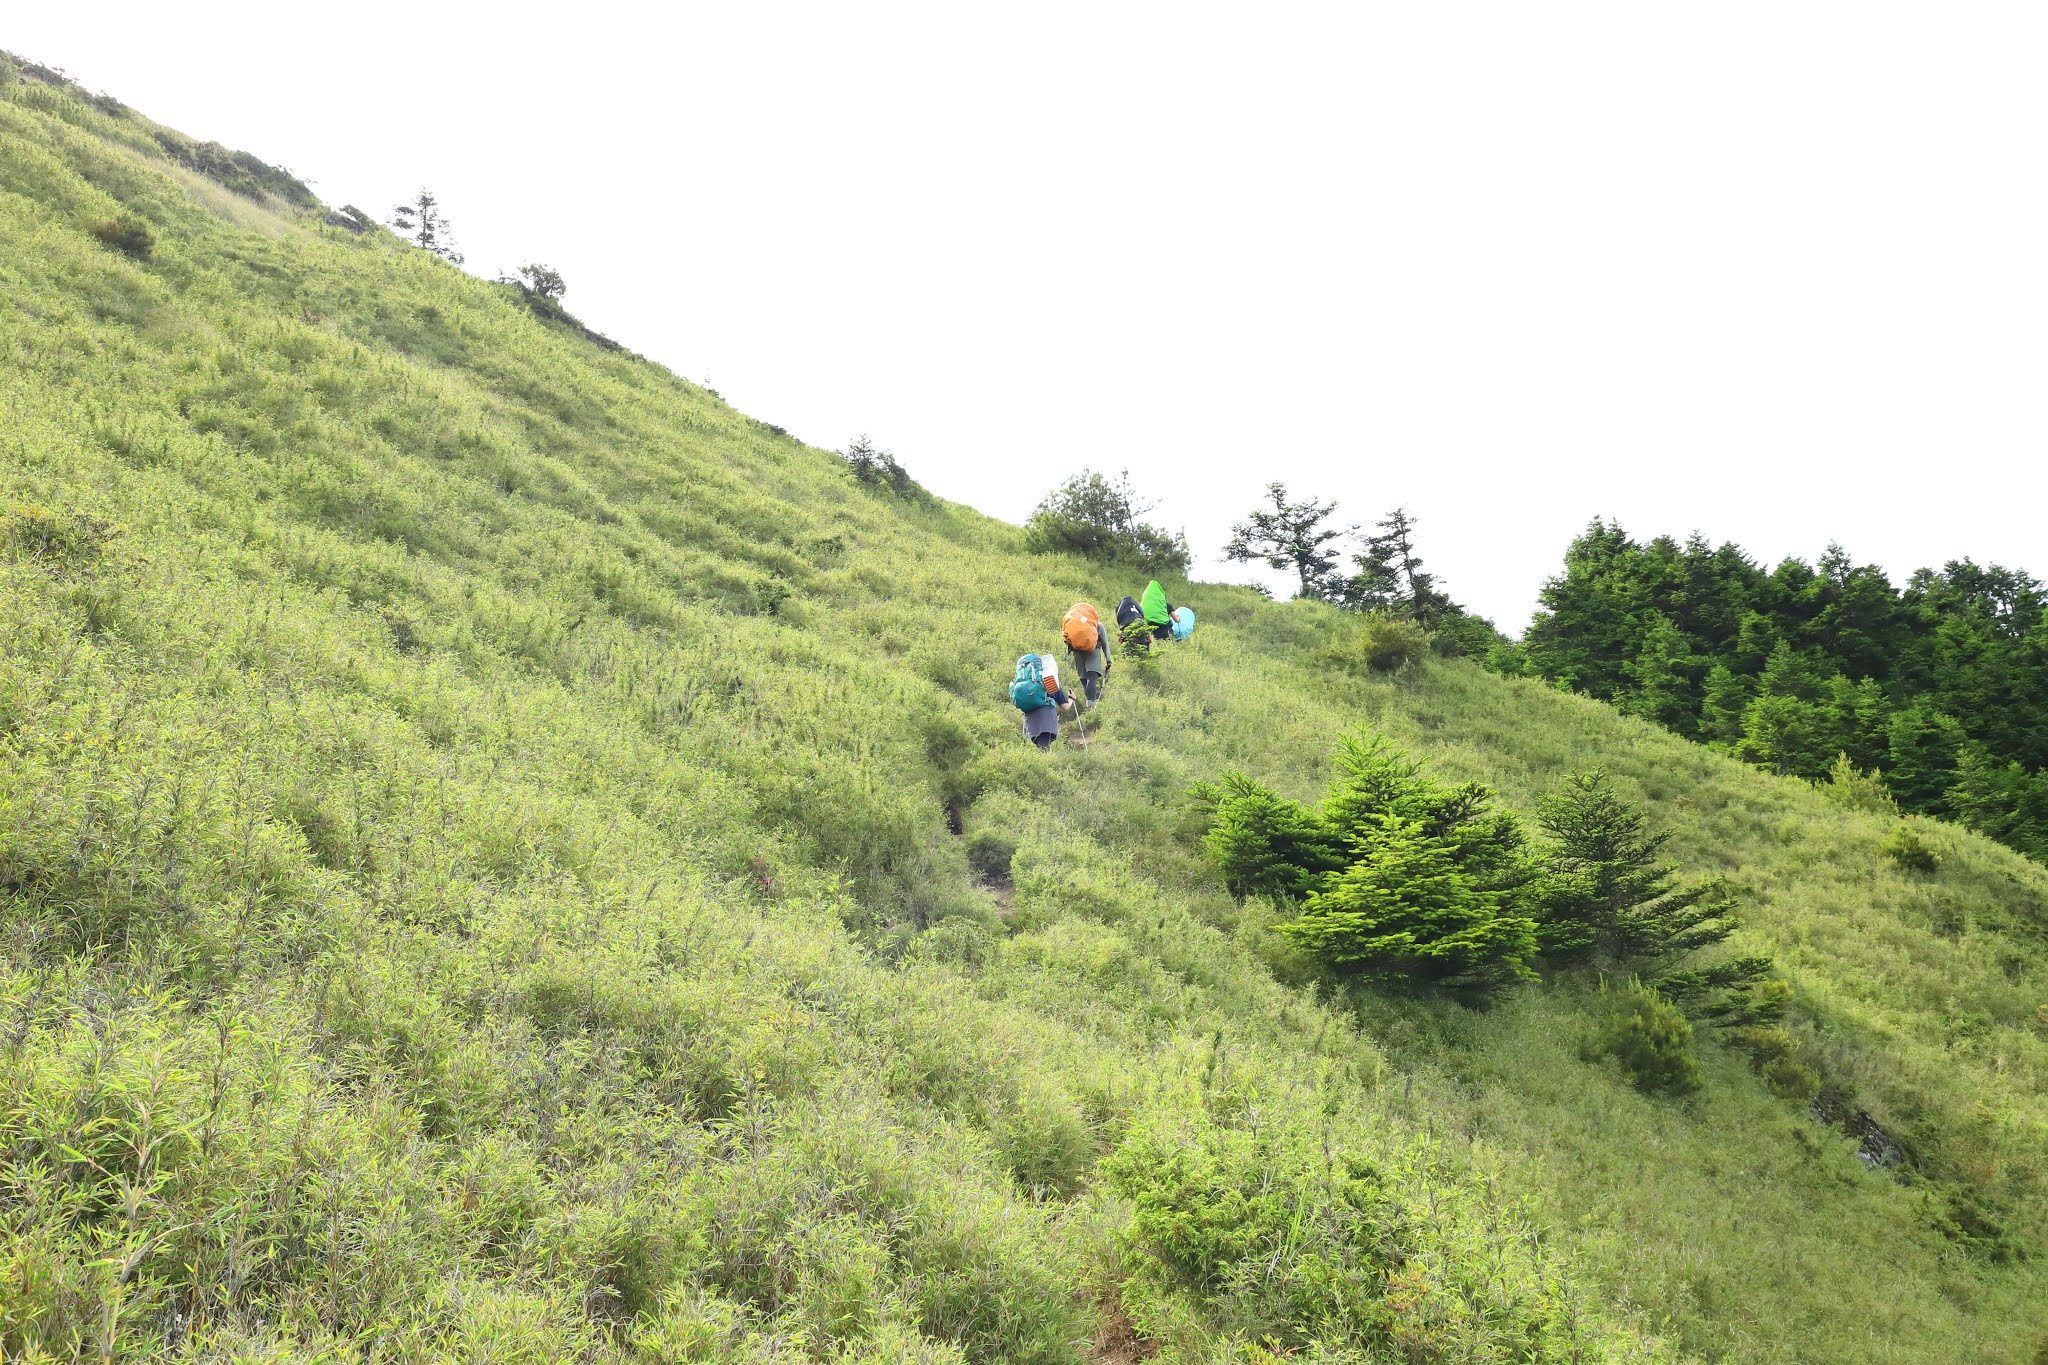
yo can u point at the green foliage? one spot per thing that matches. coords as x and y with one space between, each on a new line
1134 650
1609 895
1911 851
1853 789
63 542
1940 684
1380 644
508 941
1102 518
1292 535
1264 844
876 468
1651 1039
1397 877
129 236
1406 909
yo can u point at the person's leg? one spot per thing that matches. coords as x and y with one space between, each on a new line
1091 687
1043 742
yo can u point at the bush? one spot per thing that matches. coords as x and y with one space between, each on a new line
989 853
129 236
1911 851
1134 649
63 542
1381 644
1651 1039
1853 789
877 468
1774 1055
1263 1222
1099 517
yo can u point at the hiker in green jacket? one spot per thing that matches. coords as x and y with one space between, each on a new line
1158 611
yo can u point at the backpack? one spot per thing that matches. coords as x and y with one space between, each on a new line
1027 690
1128 611
1154 604
1183 622
1081 628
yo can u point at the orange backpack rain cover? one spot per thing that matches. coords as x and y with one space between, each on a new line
1080 626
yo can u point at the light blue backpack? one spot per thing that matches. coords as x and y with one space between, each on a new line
1183 622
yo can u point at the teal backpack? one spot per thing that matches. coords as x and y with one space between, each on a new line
1183 622
1028 688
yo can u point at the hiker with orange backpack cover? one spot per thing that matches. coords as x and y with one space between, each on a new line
1087 641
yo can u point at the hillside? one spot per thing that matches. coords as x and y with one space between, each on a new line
505 857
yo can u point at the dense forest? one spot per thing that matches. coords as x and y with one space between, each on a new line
1940 687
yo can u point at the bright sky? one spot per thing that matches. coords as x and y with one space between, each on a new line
1776 272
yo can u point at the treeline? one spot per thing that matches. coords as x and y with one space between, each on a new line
1938 688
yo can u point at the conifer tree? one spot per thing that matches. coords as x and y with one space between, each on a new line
1924 746
1609 894
1390 576
1660 676
1786 735
1721 707
1293 535
1267 845
1406 910
423 221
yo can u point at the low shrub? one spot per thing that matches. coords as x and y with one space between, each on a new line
1381 644
1911 851
129 236
989 853
1854 789
1651 1039
65 542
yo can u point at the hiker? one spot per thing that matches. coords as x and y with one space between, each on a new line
1158 611
1036 691
1088 646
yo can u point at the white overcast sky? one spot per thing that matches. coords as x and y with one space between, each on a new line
1776 272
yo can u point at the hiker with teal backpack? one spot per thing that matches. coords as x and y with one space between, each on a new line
1036 691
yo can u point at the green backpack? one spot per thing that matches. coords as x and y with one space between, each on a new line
1154 603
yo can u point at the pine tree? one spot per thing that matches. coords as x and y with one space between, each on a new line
1390 576
1266 845
1790 737
1924 746
1406 910
1608 894
1290 536
1661 679
1721 708
422 221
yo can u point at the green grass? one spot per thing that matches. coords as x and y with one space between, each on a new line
478 882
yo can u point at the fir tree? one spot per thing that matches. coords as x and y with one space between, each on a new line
1609 895
1293 535
1406 910
1390 576
1660 676
1923 747
1266 845
423 221
1725 700
1786 735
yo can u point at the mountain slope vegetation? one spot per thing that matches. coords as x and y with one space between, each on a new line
505 857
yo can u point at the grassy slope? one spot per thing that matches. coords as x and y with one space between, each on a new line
523 929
